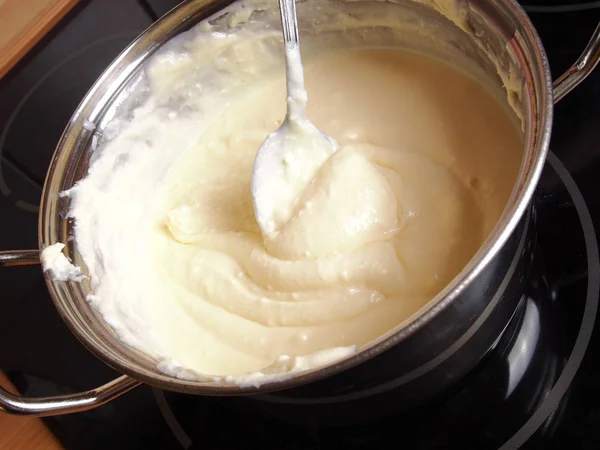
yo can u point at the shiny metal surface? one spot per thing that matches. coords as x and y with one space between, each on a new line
581 69
451 334
64 404
19 258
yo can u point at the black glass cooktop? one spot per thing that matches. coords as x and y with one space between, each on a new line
539 388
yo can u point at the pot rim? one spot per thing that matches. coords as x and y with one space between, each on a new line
182 18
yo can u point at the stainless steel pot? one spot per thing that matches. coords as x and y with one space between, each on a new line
442 344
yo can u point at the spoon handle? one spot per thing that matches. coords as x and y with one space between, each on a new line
296 95
287 9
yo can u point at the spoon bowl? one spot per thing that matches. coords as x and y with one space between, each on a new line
291 155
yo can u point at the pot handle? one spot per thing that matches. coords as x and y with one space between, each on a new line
63 404
580 70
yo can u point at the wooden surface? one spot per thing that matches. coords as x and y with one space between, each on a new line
24 433
23 23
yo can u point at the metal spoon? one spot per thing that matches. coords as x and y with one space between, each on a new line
290 156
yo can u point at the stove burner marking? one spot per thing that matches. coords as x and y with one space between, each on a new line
170 418
553 399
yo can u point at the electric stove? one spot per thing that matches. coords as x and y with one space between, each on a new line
538 389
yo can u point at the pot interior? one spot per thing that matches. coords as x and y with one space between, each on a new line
495 41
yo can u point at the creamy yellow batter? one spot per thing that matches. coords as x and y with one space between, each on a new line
179 268
425 151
